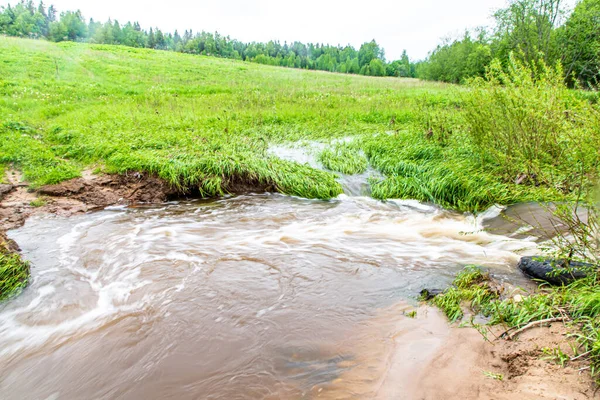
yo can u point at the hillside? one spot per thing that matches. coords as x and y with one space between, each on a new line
192 120
205 125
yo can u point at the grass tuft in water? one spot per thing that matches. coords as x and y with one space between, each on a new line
14 274
344 159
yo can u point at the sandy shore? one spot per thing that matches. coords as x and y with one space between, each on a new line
428 359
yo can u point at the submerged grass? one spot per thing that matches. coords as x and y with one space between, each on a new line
14 274
343 158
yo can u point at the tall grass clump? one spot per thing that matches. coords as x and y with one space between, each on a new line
343 158
469 287
446 173
14 274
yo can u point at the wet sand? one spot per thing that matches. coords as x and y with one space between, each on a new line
429 359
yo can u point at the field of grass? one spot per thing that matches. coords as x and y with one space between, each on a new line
202 122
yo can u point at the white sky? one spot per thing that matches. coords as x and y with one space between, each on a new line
415 25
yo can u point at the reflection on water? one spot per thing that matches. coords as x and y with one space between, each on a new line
259 296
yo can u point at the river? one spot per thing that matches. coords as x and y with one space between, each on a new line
255 296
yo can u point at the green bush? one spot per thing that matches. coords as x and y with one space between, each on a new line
531 126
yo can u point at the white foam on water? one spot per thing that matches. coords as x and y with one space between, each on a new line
393 234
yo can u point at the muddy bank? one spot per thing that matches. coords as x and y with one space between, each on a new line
90 192
93 192
426 358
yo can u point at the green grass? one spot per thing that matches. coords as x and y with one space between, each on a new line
470 286
203 123
14 274
195 121
39 202
446 174
344 159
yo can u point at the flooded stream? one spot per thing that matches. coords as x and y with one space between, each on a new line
255 296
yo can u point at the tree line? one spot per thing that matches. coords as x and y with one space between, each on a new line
532 31
25 19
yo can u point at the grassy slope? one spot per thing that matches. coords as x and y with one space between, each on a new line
201 122
194 120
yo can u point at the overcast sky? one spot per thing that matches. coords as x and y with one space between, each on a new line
414 25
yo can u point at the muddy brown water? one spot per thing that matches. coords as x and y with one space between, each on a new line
257 296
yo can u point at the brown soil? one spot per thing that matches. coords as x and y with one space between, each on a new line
90 192
425 358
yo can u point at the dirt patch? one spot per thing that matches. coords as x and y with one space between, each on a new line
104 190
423 357
17 202
238 186
467 367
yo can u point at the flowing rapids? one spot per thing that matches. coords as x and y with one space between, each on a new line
258 296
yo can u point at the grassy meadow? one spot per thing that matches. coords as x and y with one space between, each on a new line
202 123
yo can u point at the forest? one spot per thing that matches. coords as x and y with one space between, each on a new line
533 30
25 19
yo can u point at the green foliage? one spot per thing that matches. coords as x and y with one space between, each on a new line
39 202
528 28
555 355
526 121
469 286
533 31
344 159
493 375
458 60
579 238
580 44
